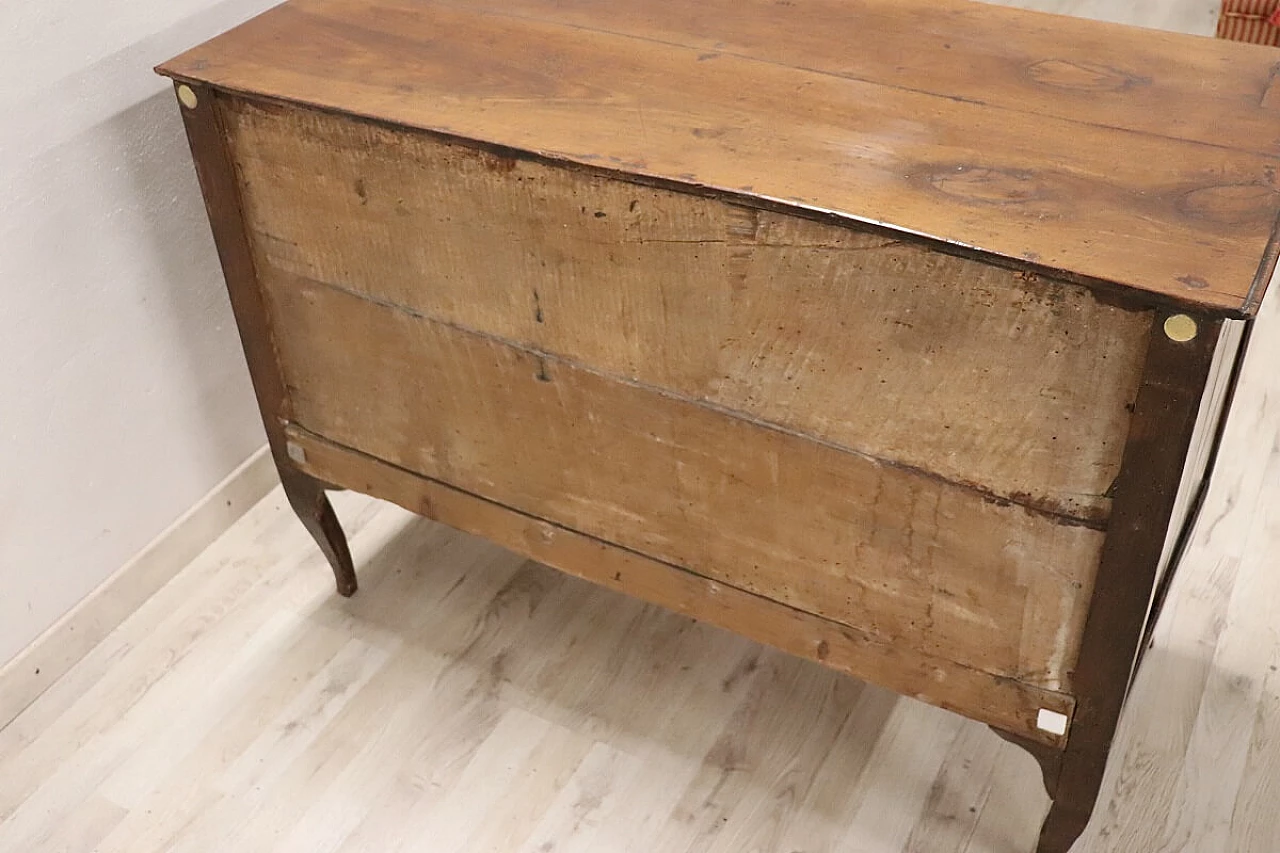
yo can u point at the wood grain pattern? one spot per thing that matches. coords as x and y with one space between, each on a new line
1017 386
1001 702
893 553
1181 213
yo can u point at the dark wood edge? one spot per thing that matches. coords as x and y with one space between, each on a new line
1160 435
220 186
1266 270
1104 290
172 67
1197 504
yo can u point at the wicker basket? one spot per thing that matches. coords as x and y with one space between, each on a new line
1256 21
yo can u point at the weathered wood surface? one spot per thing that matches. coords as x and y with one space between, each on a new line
1049 142
1015 386
902 556
1000 702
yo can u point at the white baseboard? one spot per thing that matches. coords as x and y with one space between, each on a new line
66 641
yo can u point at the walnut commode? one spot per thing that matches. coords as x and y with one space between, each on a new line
897 334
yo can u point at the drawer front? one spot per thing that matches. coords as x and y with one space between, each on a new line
912 444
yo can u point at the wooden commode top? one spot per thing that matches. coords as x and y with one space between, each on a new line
1141 158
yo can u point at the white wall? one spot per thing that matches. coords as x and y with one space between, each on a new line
1183 16
123 394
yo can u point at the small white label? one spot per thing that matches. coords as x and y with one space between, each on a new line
296 453
1051 722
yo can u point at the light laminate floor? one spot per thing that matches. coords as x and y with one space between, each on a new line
468 701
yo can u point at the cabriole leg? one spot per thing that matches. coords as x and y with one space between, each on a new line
219 183
307 497
1063 825
1072 782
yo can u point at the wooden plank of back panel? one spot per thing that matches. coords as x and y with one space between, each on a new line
1090 190
1002 702
1016 386
901 556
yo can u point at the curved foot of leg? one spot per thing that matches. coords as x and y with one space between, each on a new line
306 496
1066 820
1049 759
1063 825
